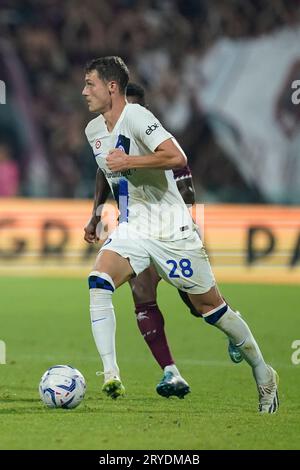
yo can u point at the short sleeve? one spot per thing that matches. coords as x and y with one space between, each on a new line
87 134
147 128
182 173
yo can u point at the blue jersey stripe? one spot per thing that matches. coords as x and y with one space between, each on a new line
123 200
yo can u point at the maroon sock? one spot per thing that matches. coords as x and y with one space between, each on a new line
151 324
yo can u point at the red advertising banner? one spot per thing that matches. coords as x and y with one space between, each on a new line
245 242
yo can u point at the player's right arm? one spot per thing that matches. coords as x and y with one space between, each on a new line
102 190
160 149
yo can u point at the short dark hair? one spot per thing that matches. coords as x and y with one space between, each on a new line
133 89
110 68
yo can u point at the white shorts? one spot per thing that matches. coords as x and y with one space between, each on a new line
182 263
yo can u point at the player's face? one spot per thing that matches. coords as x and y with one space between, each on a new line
96 93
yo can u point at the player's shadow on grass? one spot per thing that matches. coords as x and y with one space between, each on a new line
17 400
91 405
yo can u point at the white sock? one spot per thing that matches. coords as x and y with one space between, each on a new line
240 335
104 324
172 368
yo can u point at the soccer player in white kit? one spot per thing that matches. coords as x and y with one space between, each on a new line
150 319
136 155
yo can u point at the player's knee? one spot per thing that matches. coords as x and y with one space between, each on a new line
195 312
142 293
214 315
101 288
185 298
101 281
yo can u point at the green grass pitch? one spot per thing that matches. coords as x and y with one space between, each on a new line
46 322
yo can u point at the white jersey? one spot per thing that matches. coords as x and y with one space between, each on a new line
153 205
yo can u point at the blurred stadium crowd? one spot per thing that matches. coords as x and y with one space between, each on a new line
170 48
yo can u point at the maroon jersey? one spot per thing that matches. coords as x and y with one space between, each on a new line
182 173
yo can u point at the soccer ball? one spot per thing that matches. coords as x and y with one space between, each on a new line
62 387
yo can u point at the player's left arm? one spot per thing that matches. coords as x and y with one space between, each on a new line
166 156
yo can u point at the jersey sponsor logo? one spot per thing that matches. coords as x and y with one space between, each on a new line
98 144
152 128
118 174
